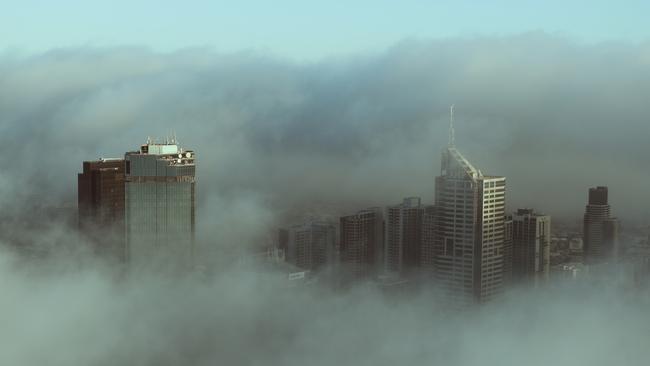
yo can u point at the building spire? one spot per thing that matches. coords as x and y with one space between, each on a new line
452 134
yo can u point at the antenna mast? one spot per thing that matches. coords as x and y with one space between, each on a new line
452 134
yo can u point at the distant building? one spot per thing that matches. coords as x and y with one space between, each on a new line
427 258
569 271
507 251
310 245
160 204
100 193
469 229
403 249
600 229
531 246
362 243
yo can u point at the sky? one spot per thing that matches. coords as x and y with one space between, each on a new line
305 30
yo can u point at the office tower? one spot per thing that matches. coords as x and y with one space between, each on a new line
310 245
283 241
160 204
600 229
100 190
531 246
507 251
403 236
469 229
427 258
362 243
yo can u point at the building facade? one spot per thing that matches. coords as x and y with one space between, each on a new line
403 249
531 246
362 244
469 230
100 198
160 204
600 233
310 246
428 252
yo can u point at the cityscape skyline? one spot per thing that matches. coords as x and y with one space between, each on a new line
324 207
511 130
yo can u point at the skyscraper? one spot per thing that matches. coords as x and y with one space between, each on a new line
100 189
469 229
600 229
311 245
362 243
428 253
403 249
531 246
160 204
507 251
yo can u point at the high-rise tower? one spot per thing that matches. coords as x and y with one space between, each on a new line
531 246
600 228
101 205
362 243
403 236
469 229
160 204
310 245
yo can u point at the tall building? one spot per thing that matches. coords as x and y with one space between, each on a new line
310 245
531 246
160 204
362 243
427 257
600 228
100 189
403 249
507 251
469 229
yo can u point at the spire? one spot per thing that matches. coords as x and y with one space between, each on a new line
452 136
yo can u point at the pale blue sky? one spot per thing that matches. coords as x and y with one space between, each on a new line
305 29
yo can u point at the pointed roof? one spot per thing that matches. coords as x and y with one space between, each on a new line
455 165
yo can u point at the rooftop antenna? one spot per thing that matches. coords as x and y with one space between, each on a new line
452 134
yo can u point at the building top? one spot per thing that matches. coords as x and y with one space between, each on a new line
598 195
455 165
528 212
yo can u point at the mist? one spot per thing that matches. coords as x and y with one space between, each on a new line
277 141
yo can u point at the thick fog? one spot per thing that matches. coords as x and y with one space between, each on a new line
277 141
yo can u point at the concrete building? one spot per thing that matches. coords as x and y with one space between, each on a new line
508 251
469 229
310 246
427 258
600 233
403 249
100 197
362 244
160 204
531 246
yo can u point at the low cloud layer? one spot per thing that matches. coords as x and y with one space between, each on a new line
64 315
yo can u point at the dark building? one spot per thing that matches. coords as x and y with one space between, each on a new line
427 255
362 243
531 246
283 240
100 191
507 251
600 228
404 236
